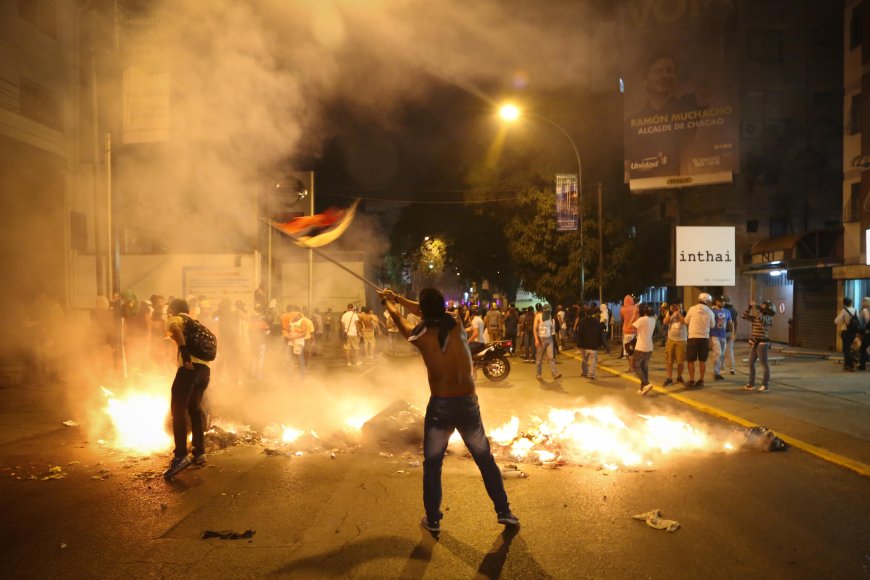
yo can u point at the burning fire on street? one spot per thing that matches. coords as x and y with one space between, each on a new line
599 436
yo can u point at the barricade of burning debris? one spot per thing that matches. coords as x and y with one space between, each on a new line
763 439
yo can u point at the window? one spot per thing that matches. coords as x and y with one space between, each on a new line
853 209
41 14
41 105
765 45
854 115
777 227
856 27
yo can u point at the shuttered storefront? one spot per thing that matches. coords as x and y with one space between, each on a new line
815 306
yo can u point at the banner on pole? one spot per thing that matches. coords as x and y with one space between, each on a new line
566 202
705 256
681 99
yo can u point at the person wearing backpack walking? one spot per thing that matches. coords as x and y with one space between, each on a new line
850 326
188 388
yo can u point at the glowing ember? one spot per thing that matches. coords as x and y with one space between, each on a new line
139 420
600 435
357 422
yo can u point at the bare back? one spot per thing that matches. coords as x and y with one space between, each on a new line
450 373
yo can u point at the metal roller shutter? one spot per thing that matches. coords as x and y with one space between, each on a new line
815 306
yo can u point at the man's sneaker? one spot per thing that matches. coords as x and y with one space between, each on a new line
645 389
667 383
700 383
748 387
681 381
557 376
732 371
199 460
508 519
176 466
431 526
763 389
718 378
690 384
539 377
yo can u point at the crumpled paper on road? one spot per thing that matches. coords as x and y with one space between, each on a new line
654 519
228 534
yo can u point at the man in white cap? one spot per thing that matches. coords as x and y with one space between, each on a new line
699 320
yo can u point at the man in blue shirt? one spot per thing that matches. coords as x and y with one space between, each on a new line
723 326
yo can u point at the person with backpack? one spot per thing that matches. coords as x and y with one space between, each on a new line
850 327
196 348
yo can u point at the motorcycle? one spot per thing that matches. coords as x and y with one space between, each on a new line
492 361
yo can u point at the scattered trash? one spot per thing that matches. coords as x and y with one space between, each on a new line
70 423
228 534
399 423
55 472
414 463
385 454
401 472
654 519
511 471
73 462
763 439
102 475
332 455
62 545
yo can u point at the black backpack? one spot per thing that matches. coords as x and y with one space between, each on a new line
201 342
854 324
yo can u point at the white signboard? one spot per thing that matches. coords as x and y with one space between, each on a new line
867 245
705 256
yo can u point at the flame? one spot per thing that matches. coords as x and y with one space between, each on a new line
601 435
357 422
138 419
289 435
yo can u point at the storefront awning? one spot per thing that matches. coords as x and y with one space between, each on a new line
803 251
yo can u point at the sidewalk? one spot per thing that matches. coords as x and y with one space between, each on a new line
813 403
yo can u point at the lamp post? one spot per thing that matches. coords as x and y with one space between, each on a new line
510 112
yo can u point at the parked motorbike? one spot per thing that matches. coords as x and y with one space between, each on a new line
492 360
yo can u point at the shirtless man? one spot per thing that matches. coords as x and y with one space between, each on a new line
453 403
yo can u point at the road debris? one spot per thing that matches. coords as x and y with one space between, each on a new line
653 519
399 423
70 423
511 471
228 534
55 472
764 439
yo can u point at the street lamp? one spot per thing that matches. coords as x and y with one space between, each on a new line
510 112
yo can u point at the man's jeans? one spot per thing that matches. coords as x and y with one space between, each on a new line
590 362
443 416
545 347
719 344
187 391
758 351
641 366
729 351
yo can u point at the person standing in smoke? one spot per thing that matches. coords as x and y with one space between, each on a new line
188 388
440 338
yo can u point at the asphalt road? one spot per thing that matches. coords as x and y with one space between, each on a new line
748 514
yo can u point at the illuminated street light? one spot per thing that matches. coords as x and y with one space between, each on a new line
510 112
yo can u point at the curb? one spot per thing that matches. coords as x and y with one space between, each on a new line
824 454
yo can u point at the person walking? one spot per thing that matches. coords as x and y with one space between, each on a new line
761 318
849 325
645 327
544 329
699 320
188 388
589 341
604 318
453 404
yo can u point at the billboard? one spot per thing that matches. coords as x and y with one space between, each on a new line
566 202
705 256
681 123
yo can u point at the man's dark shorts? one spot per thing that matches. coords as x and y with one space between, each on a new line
697 349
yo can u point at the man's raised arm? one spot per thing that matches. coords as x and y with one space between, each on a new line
391 302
